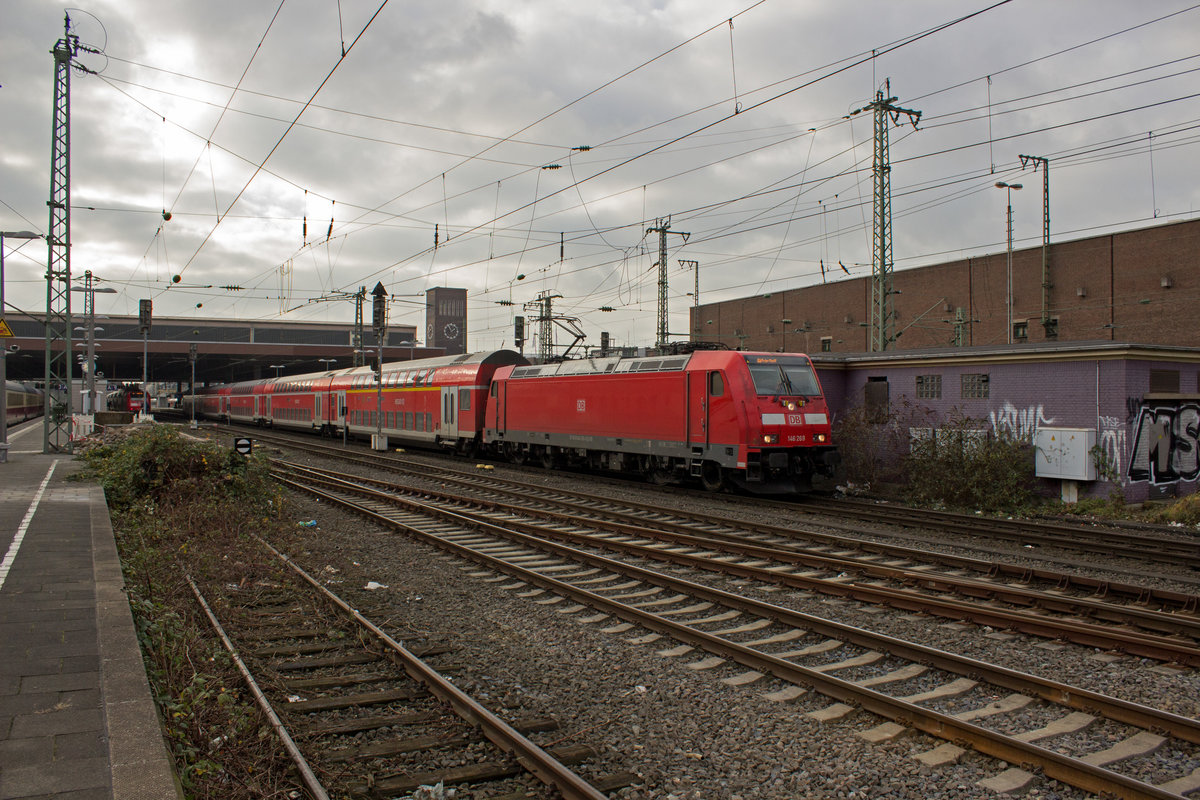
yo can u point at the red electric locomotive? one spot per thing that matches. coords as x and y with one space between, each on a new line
130 398
755 421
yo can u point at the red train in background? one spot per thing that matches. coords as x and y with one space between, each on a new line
729 419
130 398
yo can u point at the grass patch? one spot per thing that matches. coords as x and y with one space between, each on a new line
178 504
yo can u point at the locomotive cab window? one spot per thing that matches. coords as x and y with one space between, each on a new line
783 376
716 386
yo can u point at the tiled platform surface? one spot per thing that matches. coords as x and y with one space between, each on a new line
77 721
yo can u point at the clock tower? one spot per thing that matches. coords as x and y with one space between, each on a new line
446 319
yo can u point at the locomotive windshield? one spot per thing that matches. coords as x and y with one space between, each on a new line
786 376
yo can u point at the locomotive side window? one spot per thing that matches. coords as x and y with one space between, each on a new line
716 386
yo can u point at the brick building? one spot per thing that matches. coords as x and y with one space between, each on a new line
1135 286
1117 368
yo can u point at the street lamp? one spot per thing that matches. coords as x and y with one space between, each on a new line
278 369
327 362
89 311
411 349
1009 187
4 348
192 349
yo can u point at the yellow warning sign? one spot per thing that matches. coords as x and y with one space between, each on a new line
4 329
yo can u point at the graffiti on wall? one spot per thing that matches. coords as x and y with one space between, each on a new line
1022 423
1112 442
1165 447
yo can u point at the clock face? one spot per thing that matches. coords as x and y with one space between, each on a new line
429 333
450 331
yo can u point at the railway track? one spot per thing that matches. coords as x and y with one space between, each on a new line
1096 743
1145 545
1136 619
362 715
1173 554
1121 619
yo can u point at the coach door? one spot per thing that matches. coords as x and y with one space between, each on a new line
341 407
703 387
317 407
449 412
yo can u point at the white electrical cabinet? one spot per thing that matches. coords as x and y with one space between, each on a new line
1065 453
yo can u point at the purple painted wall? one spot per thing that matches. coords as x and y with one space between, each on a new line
1151 438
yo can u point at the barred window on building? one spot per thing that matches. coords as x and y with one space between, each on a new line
929 387
975 386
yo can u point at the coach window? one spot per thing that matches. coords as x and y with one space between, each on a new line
716 386
464 400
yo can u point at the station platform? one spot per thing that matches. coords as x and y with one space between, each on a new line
77 720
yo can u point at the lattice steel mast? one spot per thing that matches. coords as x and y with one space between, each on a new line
56 430
882 315
1047 284
662 228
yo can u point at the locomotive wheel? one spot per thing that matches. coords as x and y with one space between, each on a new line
657 471
549 459
514 453
712 476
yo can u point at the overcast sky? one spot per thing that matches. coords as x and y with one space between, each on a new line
502 129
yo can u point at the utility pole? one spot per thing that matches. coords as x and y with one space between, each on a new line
192 348
379 324
543 306
1047 325
882 315
695 265
56 427
662 228
356 338
545 319
145 310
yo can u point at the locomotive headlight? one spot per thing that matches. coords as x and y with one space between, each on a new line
820 437
791 406
770 438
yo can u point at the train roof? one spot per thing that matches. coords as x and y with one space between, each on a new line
498 358
619 364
